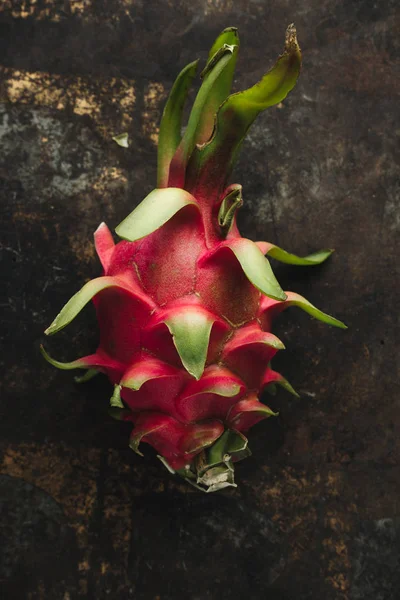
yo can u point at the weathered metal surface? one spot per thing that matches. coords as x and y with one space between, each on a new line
316 514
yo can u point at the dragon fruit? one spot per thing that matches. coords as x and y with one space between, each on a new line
185 304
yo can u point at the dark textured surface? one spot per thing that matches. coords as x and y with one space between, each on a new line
316 514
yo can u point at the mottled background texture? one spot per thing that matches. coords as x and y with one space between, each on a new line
316 514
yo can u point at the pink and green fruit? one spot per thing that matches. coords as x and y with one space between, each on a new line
185 304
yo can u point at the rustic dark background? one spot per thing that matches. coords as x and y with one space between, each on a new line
316 514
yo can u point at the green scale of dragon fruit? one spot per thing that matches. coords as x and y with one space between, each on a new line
185 304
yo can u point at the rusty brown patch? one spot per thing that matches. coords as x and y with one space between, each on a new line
68 476
83 249
46 9
83 95
154 98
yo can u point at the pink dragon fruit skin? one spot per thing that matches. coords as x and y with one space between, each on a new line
185 304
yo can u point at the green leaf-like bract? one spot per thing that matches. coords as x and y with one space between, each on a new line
153 212
120 414
316 258
189 140
256 268
230 444
222 87
191 329
79 301
79 363
171 122
138 434
115 400
90 373
145 370
297 300
286 385
229 206
239 111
